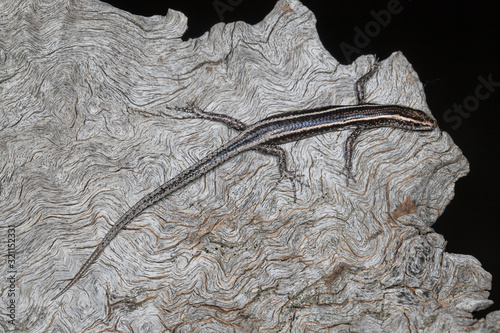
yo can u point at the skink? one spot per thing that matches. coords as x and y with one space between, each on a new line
264 136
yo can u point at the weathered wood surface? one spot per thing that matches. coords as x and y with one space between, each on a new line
84 133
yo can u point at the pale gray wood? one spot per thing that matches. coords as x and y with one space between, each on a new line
85 133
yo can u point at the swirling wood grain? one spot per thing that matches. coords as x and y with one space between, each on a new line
85 133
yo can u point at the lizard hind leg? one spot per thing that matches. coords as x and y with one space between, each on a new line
217 117
285 173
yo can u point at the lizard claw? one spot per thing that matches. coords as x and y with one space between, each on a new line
294 177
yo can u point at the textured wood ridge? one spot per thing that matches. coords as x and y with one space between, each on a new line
85 133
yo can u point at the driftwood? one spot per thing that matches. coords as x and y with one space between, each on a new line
85 132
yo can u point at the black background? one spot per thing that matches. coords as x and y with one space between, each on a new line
450 44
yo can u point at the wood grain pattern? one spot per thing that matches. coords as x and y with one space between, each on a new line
85 133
